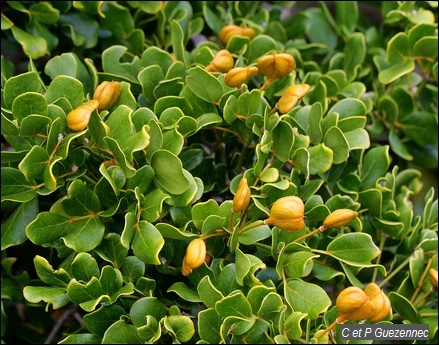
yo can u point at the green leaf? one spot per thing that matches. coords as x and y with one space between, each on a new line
234 305
180 326
416 265
297 265
29 103
373 166
99 320
398 146
208 293
15 187
83 29
83 338
315 160
80 200
417 127
243 265
336 141
204 85
84 267
357 139
353 247
271 307
347 15
14 227
403 307
209 323
20 84
147 242
168 172
147 306
111 63
306 298
51 295
33 46
283 140
184 292
178 39
50 276
254 235
293 330
66 87
121 332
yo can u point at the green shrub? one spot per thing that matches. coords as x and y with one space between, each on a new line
96 221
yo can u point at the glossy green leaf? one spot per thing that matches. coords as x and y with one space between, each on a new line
35 47
293 329
306 298
168 172
234 305
184 292
374 165
147 242
14 227
353 247
204 85
297 265
209 323
181 326
55 296
336 141
121 332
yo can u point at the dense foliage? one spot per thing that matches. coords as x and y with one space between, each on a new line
217 171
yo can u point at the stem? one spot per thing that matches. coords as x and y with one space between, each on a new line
375 270
391 275
251 226
275 108
428 293
330 327
319 229
232 220
421 281
218 233
263 87
320 251
308 327
265 246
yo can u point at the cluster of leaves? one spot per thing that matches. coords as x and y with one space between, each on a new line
100 219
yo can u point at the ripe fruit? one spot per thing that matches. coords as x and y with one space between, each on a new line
228 31
339 218
238 75
242 196
79 117
353 304
195 256
222 62
107 93
287 213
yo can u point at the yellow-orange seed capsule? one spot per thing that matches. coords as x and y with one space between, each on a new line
242 196
107 93
228 31
287 213
239 75
339 218
381 301
222 62
79 117
195 253
276 66
185 269
433 278
353 304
